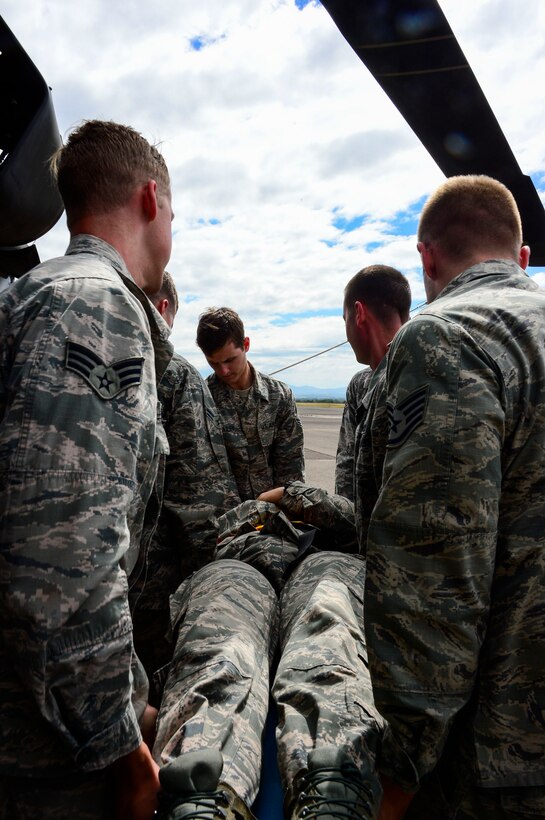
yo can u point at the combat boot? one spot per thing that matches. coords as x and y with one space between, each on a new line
332 788
192 790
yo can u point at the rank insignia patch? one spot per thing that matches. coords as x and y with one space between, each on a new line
406 416
106 379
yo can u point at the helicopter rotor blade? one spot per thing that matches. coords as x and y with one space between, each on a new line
410 49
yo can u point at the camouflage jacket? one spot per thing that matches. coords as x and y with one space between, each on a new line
455 590
273 537
270 418
344 464
198 486
78 445
369 451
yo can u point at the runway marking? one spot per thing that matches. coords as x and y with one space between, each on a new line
314 455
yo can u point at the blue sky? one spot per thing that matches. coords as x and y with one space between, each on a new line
290 168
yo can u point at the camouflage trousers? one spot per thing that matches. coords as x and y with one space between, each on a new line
229 620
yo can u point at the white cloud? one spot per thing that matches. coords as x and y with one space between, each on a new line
272 130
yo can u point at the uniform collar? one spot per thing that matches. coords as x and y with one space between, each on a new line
492 268
159 330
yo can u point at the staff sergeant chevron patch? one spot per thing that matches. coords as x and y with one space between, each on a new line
106 379
406 416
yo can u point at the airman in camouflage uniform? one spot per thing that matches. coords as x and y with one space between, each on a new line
377 301
262 430
344 463
79 439
198 487
217 692
455 588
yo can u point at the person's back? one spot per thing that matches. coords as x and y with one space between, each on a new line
501 314
263 432
377 302
79 354
456 528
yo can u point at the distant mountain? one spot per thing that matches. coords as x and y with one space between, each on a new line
308 393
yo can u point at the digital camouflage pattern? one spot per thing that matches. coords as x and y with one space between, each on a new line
322 686
332 515
217 690
369 451
78 454
309 519
455 578
226 617
264 440
344 463
198 487
244 535
199 484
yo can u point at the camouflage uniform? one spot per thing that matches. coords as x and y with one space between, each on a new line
344 464
369 451
264 440
198 487
226 616
455 589
78 445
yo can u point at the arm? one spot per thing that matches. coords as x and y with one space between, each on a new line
199 484
432 537
288 458
137 784
344 463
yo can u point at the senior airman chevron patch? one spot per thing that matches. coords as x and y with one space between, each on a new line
106 379
405 417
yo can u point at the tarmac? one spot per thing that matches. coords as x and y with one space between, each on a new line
321 423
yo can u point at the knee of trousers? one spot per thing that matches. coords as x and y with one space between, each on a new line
225 605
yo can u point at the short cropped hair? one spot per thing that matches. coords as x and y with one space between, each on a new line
101 164
472 213
167 291
217 327
384 290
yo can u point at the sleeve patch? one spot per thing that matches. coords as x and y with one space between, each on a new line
405 417
107 380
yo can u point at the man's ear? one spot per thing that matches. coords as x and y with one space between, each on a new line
162 306
149 199
246 344
360 313
427 255
524 256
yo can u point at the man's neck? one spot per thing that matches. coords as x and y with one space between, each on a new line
246 380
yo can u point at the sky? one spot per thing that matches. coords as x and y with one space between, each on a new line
291 169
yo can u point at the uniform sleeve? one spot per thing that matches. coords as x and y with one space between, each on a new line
352 414
332 514
78 440
344 462
199 484
432 538
288 458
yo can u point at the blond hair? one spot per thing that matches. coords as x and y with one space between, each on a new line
472 214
